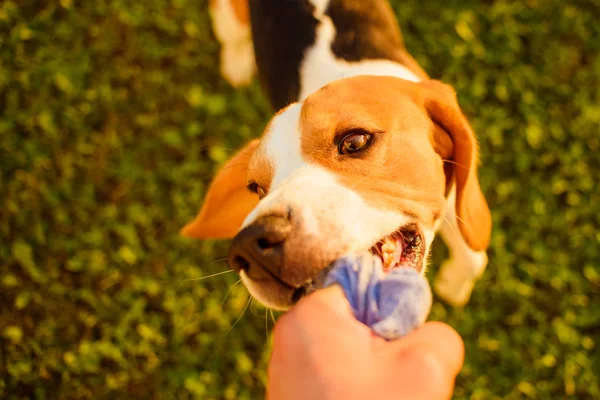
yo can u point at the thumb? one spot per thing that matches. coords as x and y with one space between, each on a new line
440 340
322 311
329 300
327 307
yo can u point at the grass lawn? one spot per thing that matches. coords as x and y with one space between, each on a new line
113 118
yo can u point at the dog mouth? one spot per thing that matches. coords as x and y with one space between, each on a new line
405 248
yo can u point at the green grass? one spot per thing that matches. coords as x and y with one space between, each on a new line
113 118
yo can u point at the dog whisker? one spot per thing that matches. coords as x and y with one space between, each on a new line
455 163
253 306
208 276
461 220
451 227
229 291
266 324
241 315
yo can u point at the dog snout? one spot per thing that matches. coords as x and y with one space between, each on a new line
258 249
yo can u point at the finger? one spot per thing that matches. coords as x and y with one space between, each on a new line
332 298
425 362
320 307
309 335
318 320
444 343
310 312
417 373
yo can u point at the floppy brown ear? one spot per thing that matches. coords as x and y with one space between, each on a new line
474 218
227 201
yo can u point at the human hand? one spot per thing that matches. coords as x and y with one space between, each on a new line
321 351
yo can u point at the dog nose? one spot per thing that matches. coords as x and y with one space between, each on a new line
258 249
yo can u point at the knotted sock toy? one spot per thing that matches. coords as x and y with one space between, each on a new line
391 303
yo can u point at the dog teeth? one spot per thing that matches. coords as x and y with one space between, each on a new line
388 247
388 261
387 250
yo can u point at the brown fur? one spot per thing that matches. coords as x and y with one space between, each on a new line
415 127
227 202
411 123
400 171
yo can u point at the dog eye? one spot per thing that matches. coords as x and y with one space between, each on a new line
354 142
256 188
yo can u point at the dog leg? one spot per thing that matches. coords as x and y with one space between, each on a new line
231 25
457 275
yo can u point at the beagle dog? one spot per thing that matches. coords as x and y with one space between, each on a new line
366 152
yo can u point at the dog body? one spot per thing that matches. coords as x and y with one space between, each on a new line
365 153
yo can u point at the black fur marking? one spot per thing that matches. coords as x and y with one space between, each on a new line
365 30
282 30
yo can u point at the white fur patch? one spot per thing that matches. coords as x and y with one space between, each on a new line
320 66
325 210
283 144
457 275
329 210
320 7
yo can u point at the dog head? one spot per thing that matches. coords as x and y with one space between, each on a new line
363 163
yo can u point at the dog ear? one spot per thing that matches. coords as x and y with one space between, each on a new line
228 201
474 218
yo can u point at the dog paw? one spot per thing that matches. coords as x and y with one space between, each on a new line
456 279
237 63
455 292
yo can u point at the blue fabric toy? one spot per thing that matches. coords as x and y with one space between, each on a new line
392 303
